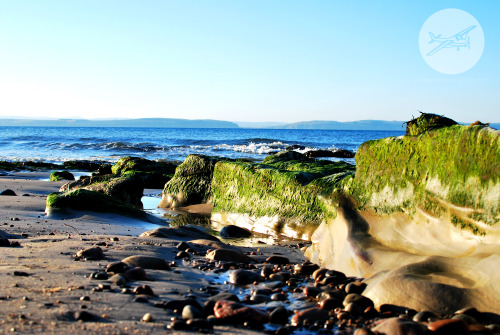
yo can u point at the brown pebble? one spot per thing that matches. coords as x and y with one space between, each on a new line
448 326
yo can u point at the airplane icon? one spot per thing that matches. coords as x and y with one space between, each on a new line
458 40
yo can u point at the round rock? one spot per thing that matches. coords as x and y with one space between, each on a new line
232 231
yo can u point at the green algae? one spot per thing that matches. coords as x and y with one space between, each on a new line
288 189
154 174
457 164
427 122
61 175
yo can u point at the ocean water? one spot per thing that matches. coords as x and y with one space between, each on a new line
59 144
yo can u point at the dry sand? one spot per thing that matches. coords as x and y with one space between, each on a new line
42 285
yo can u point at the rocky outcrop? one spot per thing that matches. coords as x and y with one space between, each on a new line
191 183
420 220
128 189
153 173
279 196
427 122
86 200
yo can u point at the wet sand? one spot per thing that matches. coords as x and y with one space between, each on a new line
43 286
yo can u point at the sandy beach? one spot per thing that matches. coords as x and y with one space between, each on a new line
43 286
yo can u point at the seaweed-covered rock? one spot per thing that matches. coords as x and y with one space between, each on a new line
280 196
128 189
421 215
61 175
85 200
341 153
427 122
82 165
191 183
154 174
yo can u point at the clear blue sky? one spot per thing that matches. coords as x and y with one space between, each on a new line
252 60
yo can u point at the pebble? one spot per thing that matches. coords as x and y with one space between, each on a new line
144 289
398 326
280 260
362 301
243 277
191 312
8 192
448 326
310 315
117 267
92 253
147 317
136 273
232 231
237 313
279 315
182 246
227 255
147 262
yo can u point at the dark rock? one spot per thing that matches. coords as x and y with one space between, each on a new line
305 269
424 316
182 246
181 303
180 232
448 327
136 273
278 297
362 301
144 289
355 287
427 122
341 153
243 277
61 175
232 231
259 299
200 325
280 260
84 316
147 262
279 315
82 165
311 315
236 313
228 255
311 292
21 274
101 275
117 267
8 192
330 304
182 255
4 242
92 253
398 326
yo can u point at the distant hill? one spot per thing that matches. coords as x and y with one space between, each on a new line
354 125
147 123
261 124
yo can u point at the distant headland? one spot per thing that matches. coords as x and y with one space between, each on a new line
208 123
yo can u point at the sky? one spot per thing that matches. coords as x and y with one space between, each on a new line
238 60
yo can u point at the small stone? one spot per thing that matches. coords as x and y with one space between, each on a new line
362 301
8 192
232 231
147 317
312 315
21 274
448 326
93 253
84 316
99 275
85 298
182 255
182 246
396 326
280 260
147 262
118 279
424 316
136 273
117 267
355 287
199 324
305 269
236 313
191 312
243 277
330 304
278 297
144 289
227 255
259 298
279 315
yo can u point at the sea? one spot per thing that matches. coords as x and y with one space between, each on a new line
59 144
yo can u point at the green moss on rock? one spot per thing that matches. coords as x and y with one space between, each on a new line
61 175
154 174
427 122
85 200
456 165
288 189
191 183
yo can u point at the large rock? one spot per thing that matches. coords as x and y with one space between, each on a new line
279 196
153 173
129 189
191 183
61 175
420 220
85 200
